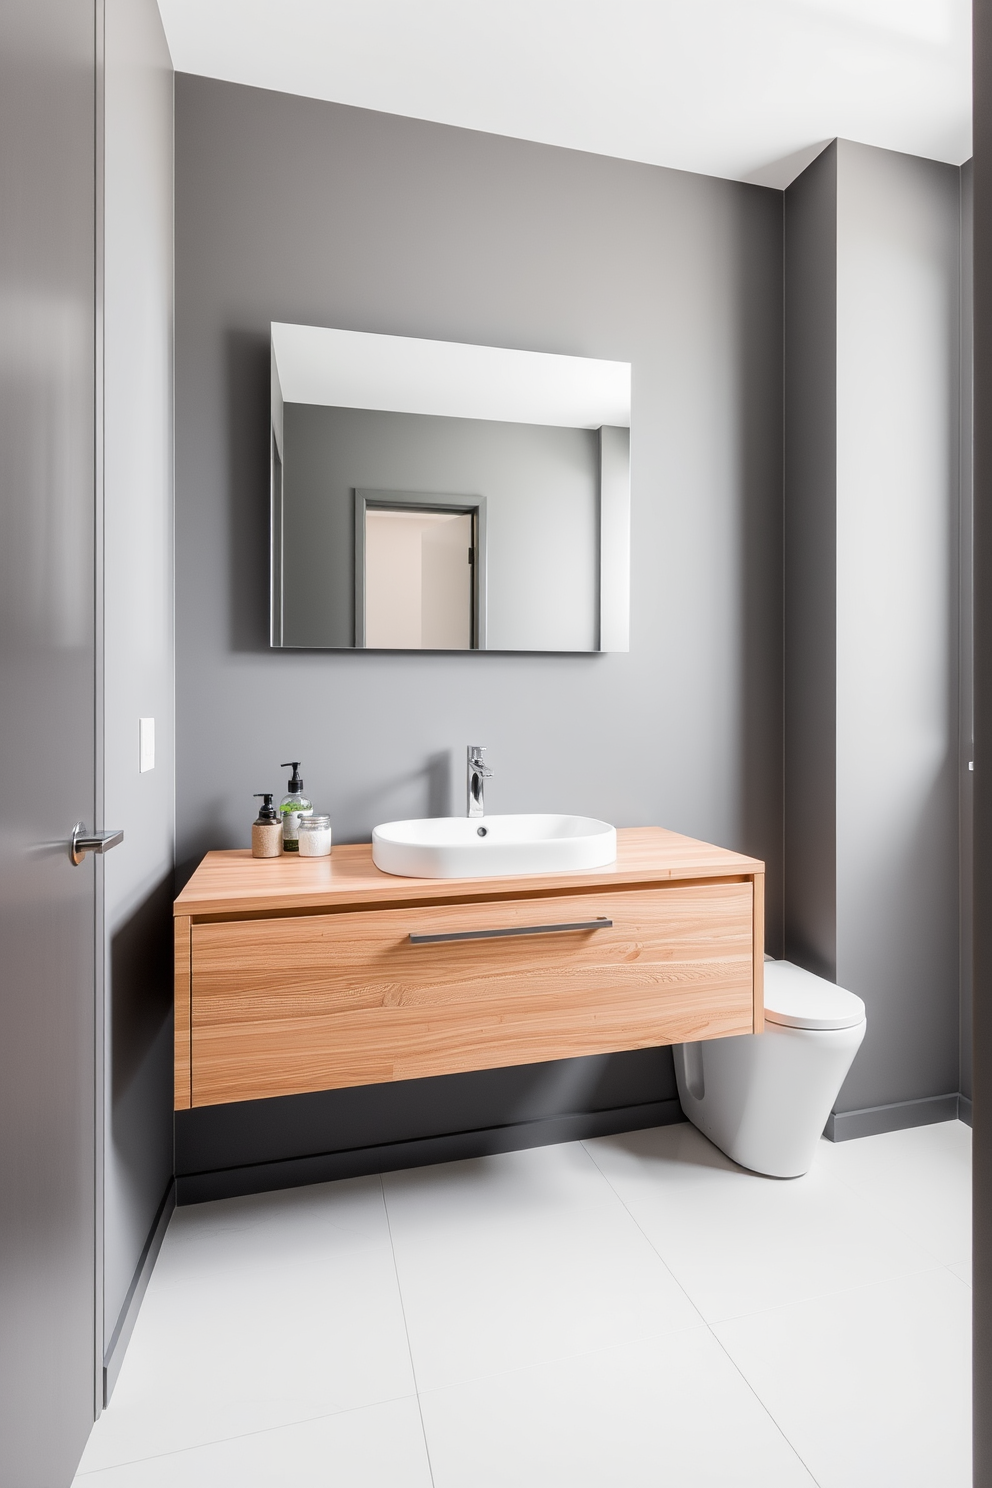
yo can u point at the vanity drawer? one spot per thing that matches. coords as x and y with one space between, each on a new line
314 1002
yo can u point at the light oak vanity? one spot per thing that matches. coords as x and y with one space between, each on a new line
302 974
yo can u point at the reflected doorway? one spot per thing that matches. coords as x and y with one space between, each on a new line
418 568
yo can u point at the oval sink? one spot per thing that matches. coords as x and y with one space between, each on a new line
492 846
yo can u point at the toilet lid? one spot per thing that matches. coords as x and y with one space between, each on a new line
798 999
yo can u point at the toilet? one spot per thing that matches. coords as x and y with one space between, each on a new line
764 1098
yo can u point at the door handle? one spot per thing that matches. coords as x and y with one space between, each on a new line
82 842
601 923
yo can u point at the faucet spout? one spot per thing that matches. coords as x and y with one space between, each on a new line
478 773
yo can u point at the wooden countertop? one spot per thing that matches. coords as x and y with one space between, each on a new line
235 883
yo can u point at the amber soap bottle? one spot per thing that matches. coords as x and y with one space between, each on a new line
266 829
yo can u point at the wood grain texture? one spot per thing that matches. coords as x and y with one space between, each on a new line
183 1094
759 953
282 1006
237 883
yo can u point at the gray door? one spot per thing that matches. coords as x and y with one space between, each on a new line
47 720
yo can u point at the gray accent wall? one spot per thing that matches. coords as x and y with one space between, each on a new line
137 302
898 289
300 210
810 569
886 438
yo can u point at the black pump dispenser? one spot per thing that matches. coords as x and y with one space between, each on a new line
266 812
295 781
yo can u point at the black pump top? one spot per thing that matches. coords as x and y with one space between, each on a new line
295 781
266 812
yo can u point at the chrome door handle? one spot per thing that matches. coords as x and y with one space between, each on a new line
82 842
598 924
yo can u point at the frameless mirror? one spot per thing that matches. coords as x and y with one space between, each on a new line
429 495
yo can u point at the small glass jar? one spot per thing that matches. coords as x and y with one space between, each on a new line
315 836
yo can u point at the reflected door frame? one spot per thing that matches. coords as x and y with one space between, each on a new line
426 501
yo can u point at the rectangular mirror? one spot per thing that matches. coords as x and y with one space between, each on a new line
429 495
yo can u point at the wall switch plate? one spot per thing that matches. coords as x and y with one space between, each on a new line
146 744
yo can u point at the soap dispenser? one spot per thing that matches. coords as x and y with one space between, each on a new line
292 807
266 829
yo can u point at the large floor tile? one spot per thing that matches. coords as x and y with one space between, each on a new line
380 1446
920 1179
738 1242
261 1311
872 1387
507 1260
672 1413
962 1270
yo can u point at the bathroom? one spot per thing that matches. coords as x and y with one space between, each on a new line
796 689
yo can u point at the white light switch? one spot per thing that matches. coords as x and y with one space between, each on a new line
146 744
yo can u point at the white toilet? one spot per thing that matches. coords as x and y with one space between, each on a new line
764 1098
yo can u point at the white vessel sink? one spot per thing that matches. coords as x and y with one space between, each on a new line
492 846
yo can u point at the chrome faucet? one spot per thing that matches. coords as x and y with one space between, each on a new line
478 774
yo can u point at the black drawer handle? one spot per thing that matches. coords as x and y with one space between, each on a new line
598 924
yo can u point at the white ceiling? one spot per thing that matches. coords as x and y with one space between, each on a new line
746 89
357 369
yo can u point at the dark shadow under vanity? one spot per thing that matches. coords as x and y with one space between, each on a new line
251 1146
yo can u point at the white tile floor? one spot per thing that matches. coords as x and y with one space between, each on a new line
631 1310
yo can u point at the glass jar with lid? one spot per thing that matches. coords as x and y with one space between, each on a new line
315 836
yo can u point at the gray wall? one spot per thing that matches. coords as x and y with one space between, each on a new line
892 418
810 581
898 289
138 646
541 488
299 210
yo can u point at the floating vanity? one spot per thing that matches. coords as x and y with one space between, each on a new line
303 974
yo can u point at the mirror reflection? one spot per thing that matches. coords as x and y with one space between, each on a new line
435 496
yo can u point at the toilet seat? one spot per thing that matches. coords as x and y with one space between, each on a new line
795 998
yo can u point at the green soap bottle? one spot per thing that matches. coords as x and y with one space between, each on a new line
292 807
